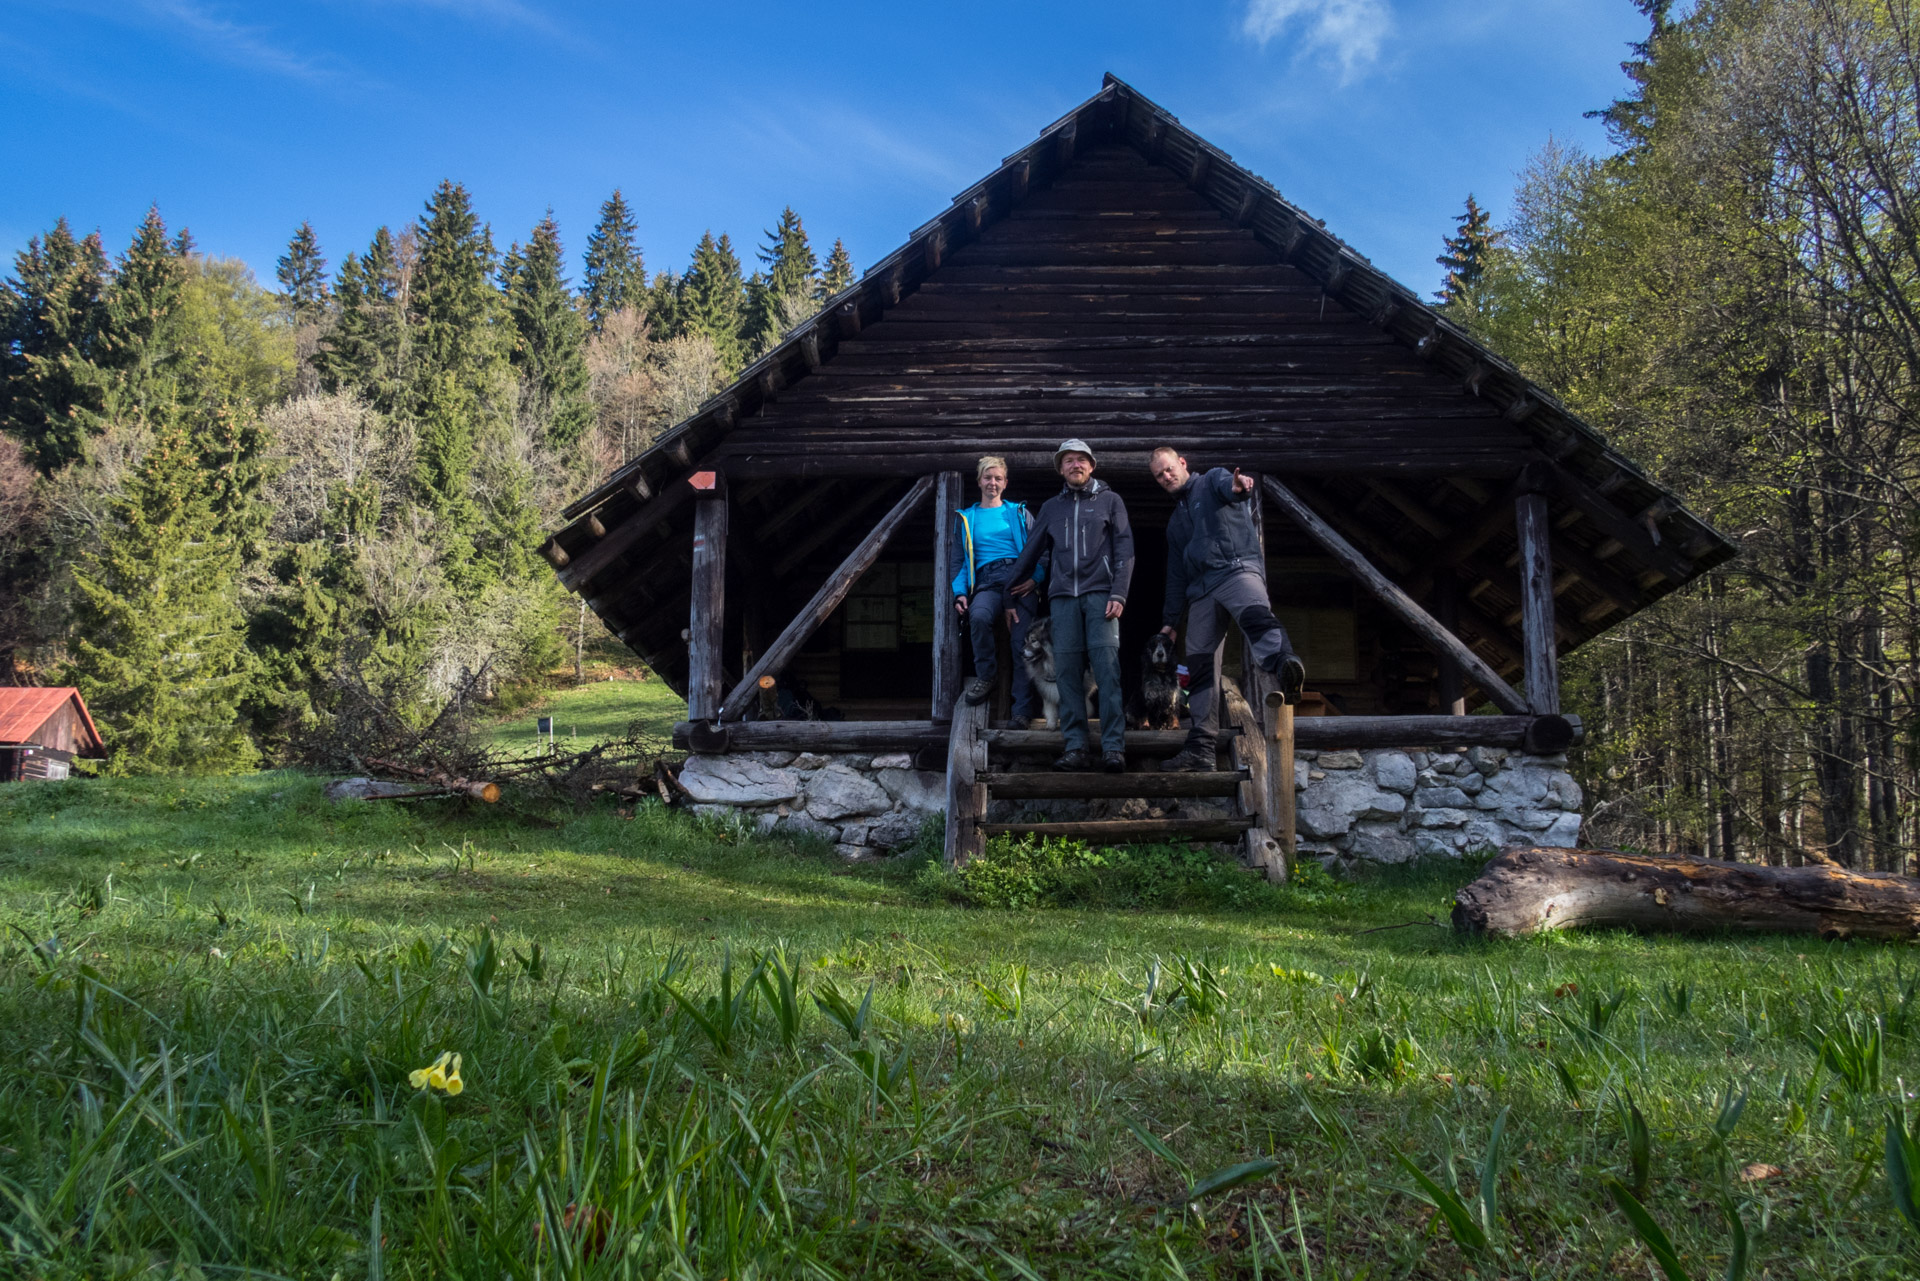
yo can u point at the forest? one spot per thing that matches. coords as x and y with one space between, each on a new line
216 496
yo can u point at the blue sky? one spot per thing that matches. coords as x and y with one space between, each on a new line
240 119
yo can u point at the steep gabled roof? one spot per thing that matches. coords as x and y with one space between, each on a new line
23 710
1647 540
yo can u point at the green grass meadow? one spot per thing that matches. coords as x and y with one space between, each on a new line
687 1052
601 709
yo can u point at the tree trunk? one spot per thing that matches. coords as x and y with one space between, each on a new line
1525 891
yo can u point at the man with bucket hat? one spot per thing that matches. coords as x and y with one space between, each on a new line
1083 531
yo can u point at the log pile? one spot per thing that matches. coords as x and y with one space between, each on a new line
1526 891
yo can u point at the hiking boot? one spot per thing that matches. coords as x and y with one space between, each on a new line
1077 758
1191 760
978 690
1291 672
1114 762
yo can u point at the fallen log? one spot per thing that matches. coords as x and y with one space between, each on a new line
441 783
1525 891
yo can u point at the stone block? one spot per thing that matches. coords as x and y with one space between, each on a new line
1434 845
1340 760
1564 832
779 760
1394 772
1434 798
1331 807
858 853
1316 774
1486 759
896 829
1519 786
1381 843
1446 763
837 792
895 760
1470 783
729 780
1444 818
1488 800
1484 834
916 789
802 825
854 833
1567 792
811 760
1532 820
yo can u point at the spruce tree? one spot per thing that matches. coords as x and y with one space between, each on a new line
549 345
159 646
302 273
363 351
455 357
664 319
1467 254
614 276
787 291
713 301
839 272
141 342
52 317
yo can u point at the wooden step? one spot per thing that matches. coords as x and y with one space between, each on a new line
1131 831
1061 785
1163 742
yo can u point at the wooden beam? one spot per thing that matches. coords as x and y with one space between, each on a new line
946 620
1536 605
824 602
815 736
623 536
1422 623
707 612
1336 733
1620 527
966 794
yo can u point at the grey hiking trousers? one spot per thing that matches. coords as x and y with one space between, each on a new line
1241 596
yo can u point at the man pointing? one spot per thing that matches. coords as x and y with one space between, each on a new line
1214 568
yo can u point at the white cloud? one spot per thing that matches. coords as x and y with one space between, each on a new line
230 42
1349 32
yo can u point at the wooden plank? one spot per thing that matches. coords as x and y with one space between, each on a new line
824 601
1258 846
966 795
1617 525
1280 781
1161 742
1536 605
1383 589
707 616
1130 831
1057 786
946 621
821 736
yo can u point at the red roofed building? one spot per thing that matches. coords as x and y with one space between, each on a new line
42 730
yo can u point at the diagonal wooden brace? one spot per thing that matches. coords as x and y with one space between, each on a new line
1442 641
824 602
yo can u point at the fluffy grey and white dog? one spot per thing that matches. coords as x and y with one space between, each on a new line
1037 654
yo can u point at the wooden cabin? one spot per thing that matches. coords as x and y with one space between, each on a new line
42 731
1438 529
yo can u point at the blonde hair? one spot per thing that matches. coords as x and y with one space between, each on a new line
990 460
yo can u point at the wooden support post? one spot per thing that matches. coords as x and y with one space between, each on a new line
824 602
1249 747
1536 605
966 794
1280 783
707 617
946 621
1438 638
1446 612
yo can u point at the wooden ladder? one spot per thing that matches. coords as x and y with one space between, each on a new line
984 764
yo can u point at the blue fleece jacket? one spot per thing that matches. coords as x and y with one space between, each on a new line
986 534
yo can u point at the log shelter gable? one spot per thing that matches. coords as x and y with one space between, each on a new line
1123 280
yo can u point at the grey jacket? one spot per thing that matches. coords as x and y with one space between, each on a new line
1085 535
1209 536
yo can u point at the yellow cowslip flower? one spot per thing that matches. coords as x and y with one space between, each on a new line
453 1085
434 1074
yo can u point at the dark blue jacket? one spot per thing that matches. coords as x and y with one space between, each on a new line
1089 544
1209 536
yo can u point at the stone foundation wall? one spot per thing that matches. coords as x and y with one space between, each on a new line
1383 806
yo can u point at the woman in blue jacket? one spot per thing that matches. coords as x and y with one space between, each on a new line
989 536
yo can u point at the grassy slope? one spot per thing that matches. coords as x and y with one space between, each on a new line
235 906
599 709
